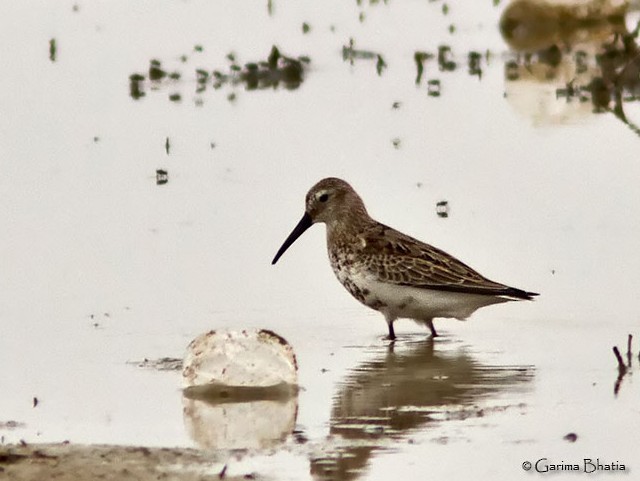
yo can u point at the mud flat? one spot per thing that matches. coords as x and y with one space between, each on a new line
68 461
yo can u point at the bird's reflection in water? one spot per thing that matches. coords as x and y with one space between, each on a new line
403 389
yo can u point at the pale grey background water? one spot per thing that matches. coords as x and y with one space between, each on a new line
542 195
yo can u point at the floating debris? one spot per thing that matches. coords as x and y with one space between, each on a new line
248 358
135 86
623 368
306 28
155 70
396 143
350 53
175 97
53 49
198 48
442 208
161 364
162 177
240 389
380 65
444 59
420 58
167 145
35 402
571 437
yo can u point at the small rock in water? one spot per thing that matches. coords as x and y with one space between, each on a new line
247 358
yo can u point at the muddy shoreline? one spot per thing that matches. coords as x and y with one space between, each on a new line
68 461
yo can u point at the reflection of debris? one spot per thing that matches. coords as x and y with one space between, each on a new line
511 70
474 64
530 25
276 70
261 75
162 177
53 49
433 88
602 74
442 208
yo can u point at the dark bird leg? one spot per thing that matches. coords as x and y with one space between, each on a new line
390 319
392 334
432 328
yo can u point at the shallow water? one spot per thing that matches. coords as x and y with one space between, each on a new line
104 264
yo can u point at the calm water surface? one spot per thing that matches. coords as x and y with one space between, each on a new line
141 211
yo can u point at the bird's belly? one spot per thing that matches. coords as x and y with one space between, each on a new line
397 301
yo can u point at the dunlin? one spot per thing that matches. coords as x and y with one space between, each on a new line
389 271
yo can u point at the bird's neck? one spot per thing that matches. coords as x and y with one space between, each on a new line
348 225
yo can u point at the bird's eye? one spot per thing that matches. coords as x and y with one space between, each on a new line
323 197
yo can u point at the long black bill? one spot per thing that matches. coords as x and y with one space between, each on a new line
298 230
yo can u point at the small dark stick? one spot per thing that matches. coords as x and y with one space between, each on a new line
629 353
622 369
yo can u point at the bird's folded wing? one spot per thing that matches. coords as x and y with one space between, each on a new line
396 258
